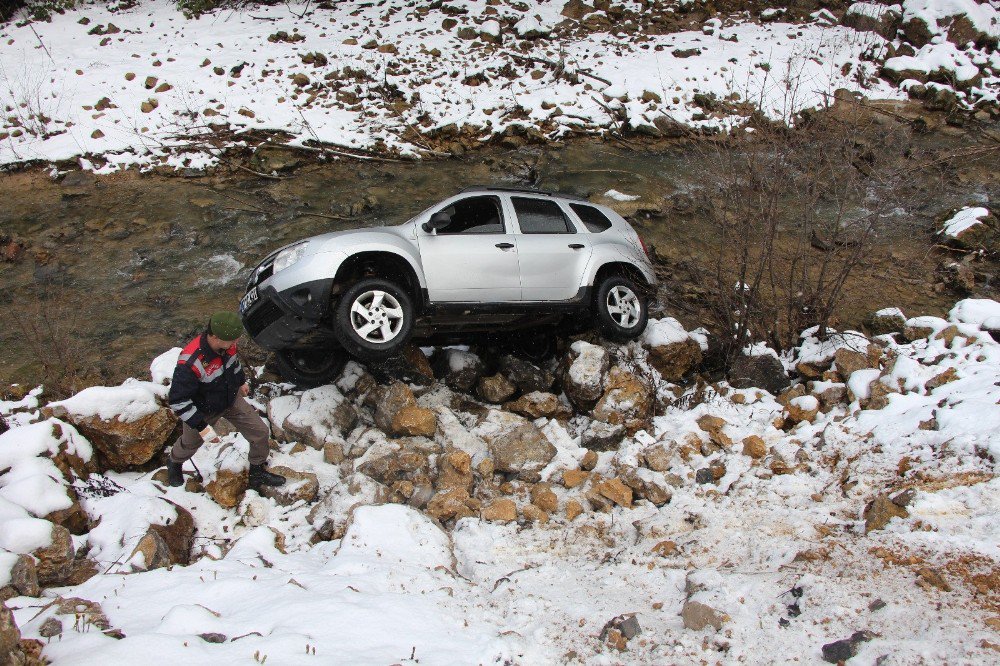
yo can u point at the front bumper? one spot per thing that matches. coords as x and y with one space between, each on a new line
279 320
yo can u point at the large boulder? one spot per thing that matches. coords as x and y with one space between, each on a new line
871 17
10 639
298 487
409 366
672 350
322 415
397 413
126 423
763 371
525 375
458 369
18 576
972 229
523 451
627 401
582 374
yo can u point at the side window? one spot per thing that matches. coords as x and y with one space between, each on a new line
475 215
593 219
541 216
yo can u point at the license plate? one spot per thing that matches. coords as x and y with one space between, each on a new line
249 299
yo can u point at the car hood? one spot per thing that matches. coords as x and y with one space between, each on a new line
336 240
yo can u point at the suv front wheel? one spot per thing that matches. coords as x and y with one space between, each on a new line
307 368
621 309
374 319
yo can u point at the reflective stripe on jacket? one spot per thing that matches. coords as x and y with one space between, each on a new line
204 383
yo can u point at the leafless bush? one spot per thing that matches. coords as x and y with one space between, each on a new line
49 322
795 211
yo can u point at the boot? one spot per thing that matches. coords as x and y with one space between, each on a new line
261 477
175 477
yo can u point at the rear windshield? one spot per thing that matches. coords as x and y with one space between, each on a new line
593 219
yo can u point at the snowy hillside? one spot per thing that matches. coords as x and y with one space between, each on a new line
604 516
146 86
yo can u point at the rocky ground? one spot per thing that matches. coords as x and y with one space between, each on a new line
606 505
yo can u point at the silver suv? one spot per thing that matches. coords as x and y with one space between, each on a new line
488 261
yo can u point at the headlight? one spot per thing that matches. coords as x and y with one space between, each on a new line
289 256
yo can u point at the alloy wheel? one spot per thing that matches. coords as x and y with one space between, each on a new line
623 306
376 316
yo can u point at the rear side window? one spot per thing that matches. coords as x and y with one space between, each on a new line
541 216
593 219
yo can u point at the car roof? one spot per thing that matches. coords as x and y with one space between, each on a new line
522 190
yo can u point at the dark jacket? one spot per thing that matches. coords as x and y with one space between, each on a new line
205 384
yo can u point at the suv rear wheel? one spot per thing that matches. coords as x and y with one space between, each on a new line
310 367
374 319
621 309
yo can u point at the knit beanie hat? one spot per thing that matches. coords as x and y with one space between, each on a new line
225 325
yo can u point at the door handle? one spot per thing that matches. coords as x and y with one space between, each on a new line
505 246
576 246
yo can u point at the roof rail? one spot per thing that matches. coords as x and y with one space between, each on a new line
522 190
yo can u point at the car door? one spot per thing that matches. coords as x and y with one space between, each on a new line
473 259
551 251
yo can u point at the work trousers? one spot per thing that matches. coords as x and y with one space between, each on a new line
246 421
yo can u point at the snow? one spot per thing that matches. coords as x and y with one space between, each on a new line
873 10
936 14
129 402
816 350
981 312
25 535
963 220
155 40
162 367
934 57
662 332
124 520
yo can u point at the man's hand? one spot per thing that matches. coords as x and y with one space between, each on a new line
245 390
209 435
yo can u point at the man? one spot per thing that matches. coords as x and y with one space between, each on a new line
209 384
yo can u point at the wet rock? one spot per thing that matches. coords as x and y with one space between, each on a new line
714 426
840 651
410 366
502 510
268 158
542 496
495 389
178 535
614 490
704 475
298 487
397 413
574 477
123 444
764 371
523 451
676 359
227 487
21 575
534 514
880 511
55 561
150 553
601 436
573 509
454 503
458 369
646 485
755 447
618 631
10 638
526 376
885 321
882 20
583 373
627 401
802 409
539 405
697 616
455 471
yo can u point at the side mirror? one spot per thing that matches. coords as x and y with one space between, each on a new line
438 221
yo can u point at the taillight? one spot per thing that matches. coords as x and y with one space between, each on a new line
645 250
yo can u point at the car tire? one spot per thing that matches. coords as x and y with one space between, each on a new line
308 368
620 309
374 319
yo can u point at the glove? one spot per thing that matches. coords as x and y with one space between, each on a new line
209 435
